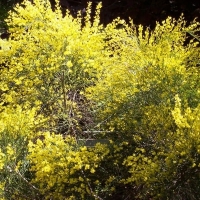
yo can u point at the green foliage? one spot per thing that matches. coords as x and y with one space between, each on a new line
63 77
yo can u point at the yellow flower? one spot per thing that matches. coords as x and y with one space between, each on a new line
2 159
87 166
47 168
92 170
10 150
69 64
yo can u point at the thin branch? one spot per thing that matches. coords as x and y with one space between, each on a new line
19 174
197 38
96 196
64 91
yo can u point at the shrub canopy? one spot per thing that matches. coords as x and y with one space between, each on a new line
65 78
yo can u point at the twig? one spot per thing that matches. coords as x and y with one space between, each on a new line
19 174
197 38
96 196
64 91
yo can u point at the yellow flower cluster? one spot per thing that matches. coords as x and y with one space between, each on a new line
17 127
62 168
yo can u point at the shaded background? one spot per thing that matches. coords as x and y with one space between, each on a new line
145 12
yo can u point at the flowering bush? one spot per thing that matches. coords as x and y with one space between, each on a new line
17 128
142 101
65 170
63 77
51 61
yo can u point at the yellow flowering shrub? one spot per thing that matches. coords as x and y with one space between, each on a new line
52 59
64 169
139 88
141 100
148 71
17 127
169 168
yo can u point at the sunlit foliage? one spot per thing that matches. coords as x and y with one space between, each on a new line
65 78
